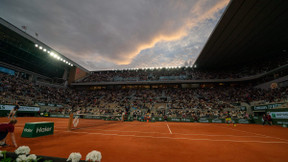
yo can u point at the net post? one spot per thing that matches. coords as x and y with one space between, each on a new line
70 121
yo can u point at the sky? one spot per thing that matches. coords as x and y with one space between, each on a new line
119 34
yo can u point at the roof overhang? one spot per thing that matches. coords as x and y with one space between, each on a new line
249 30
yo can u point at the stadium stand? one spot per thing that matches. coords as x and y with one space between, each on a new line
236 84
208 88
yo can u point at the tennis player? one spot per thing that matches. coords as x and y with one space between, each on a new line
228 119
6 128
269 118
123 116
76 118
13 111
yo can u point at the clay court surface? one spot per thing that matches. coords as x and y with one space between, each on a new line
159 141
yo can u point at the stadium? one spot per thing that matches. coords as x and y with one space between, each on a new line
231 104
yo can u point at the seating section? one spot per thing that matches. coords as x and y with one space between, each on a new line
185 73
172 102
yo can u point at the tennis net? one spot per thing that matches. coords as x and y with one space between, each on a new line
80 121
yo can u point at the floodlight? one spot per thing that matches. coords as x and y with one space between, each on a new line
195 66
40 47
71 64
48 51
44 50
51 53
36 45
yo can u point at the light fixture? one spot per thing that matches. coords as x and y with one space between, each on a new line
36 45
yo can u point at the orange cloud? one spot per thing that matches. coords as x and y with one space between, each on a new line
177 34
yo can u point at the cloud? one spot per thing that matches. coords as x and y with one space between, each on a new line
97 34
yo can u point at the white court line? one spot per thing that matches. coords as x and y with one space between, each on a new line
260 135
215 135
235 141
116 130
219 135
168 127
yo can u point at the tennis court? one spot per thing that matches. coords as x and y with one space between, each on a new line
159 141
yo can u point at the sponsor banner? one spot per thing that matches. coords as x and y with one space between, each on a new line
243 121
111 118
50 104
282 122
175 119
203 120
36 129
91 117
41 104
59 116
216 121
264 107
279 115
22 108
186 120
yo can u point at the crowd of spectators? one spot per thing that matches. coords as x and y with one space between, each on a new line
176 102
200 113
185 73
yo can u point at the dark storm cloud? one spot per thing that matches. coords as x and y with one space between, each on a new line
110 31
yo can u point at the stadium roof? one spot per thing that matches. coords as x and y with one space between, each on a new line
249 30
19 49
